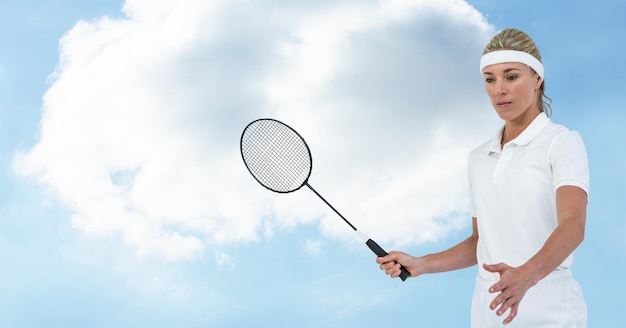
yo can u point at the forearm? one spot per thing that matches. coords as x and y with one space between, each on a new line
561 243
460 256
570 232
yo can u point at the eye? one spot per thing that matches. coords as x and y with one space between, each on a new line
489 80
511 77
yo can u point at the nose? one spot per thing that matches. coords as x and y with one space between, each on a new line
500 87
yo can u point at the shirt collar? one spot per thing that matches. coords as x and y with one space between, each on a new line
531 132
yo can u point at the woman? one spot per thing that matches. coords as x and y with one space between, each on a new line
528 189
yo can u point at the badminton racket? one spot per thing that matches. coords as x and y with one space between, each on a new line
280 160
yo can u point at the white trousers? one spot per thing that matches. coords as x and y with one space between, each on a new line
555 301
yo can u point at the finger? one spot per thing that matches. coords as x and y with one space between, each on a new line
501 299
393 269
387 266
512 314
495 268
392 256
499 286
397 271
494 304
384 259
505 306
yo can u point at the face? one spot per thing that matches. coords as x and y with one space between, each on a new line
513 90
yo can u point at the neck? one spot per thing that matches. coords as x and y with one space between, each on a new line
514 128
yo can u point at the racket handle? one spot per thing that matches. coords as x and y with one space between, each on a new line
404 273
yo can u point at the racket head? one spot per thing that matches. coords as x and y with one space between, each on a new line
276 155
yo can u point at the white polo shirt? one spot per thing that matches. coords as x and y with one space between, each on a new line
513 189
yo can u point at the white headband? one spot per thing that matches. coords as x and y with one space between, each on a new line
511 56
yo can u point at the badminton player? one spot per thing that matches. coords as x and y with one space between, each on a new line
528 193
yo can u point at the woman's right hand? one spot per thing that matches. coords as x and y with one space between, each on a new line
394 260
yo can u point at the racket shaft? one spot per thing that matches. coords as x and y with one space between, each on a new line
381 252
332 207
370 243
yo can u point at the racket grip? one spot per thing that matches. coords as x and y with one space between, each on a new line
404 273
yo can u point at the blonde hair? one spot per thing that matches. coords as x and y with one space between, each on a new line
512 39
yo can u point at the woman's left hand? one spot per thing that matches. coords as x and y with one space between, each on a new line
512 286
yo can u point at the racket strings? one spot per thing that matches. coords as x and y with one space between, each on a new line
276 155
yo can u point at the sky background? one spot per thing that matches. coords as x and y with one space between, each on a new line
124 201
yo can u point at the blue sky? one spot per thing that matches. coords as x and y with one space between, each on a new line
124 202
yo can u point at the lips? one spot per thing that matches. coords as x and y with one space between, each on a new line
503 103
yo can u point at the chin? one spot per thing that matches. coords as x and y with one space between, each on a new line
505 116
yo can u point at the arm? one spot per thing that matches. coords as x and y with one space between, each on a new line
571 207
460 256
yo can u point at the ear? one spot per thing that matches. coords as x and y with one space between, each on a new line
538 82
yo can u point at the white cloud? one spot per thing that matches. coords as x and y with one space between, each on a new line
140 130
340 301
313 247
223 259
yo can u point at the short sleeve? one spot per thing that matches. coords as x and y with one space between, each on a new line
471 194
568 159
